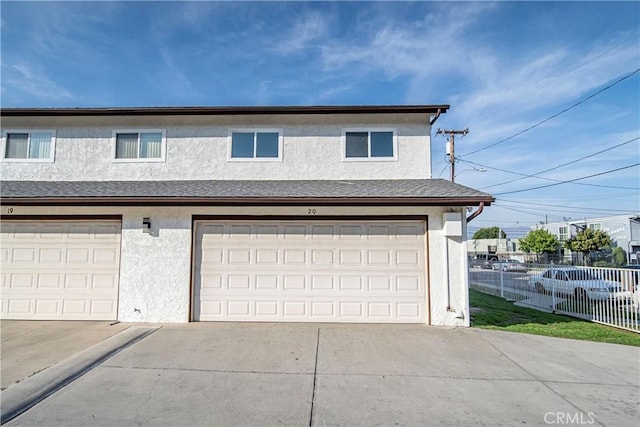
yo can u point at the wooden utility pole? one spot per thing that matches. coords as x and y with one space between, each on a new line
451 147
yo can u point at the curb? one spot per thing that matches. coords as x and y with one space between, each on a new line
25 394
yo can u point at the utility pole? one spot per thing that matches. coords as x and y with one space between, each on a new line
451 147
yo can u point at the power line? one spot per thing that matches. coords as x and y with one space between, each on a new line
539 85
568 207
564 164
536 213
582 101
443 169
548 179
594 211
568 181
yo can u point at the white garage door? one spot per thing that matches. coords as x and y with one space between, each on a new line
320 271
60 270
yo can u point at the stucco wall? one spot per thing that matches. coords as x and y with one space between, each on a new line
310 151
155 267
448 273
155 271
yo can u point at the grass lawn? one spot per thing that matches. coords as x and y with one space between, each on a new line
491 312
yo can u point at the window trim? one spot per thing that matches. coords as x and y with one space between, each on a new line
255 131
52 146
343 145
163 146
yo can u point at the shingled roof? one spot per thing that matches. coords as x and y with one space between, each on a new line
428 192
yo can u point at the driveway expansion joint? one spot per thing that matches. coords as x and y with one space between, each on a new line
22 396
315 377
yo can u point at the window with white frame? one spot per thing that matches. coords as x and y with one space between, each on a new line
369 145
595 227
139 145
256 145
28 145
563 233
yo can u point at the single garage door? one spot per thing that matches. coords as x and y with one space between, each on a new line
303 271
60 270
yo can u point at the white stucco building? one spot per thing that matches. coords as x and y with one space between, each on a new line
623 229
321 214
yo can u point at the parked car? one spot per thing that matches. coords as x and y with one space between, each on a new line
581 283
510 265
483 261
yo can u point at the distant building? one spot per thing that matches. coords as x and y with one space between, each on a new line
503 248
623 229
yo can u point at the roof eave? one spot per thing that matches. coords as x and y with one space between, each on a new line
225 110
245 201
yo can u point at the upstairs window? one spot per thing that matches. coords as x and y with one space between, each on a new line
143 146
563 233
34 146
256 145
370 145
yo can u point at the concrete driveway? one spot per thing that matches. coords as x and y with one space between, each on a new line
230 374
30 346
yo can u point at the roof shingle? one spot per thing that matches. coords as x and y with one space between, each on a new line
421 191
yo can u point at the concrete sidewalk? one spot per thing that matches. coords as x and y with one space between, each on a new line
326 374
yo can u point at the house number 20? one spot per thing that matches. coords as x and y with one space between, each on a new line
311 211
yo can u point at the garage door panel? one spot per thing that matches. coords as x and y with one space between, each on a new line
323 271
47 307
267 282
49 281
213 257
53 256
325 284
321 310
19 307
60 270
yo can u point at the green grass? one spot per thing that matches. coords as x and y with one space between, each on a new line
491 312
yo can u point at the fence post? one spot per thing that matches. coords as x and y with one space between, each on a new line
553 288
501 282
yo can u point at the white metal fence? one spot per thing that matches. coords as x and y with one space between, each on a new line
604 295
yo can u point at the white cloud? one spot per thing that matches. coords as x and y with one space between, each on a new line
308 28
420 49
495 88
539 81
21 77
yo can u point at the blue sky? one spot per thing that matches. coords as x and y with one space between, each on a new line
503 66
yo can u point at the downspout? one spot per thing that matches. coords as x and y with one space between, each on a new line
469 219
476 213
433 120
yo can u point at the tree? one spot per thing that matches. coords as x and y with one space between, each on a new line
618 257
489 233
539 241
588 241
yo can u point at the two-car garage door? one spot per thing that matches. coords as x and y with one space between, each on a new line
310 271
60 270
244 270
